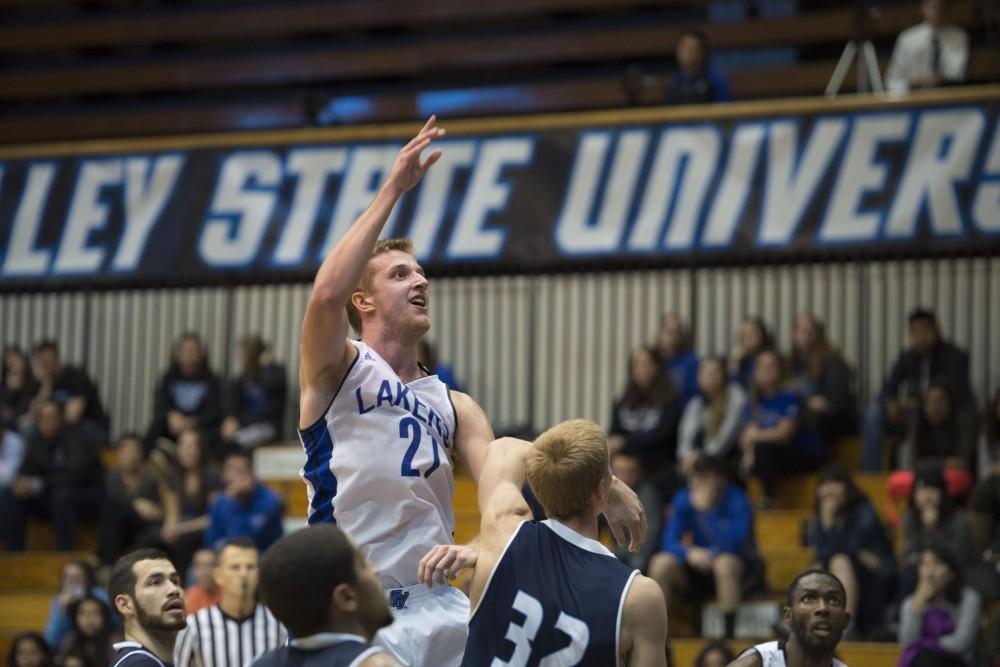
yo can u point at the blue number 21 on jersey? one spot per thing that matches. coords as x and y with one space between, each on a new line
410 428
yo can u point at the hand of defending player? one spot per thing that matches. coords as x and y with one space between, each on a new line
445 561
407 170
625 511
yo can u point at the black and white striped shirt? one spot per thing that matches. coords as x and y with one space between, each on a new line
213 639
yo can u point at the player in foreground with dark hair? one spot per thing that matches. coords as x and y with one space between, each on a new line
145 591
317 583
816 617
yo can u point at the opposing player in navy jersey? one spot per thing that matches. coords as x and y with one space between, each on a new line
548 593
379 431
816 617
145 591
328 596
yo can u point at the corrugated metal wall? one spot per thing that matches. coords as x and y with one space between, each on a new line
534 350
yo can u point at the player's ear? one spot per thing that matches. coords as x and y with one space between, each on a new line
345 598
361 302
786 616
124 604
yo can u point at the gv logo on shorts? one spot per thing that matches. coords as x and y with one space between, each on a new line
397 599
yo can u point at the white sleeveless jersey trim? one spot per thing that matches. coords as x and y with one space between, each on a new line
773 655
379 465
621 612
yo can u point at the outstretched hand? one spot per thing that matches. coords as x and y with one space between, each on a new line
445 561
407 170
625 512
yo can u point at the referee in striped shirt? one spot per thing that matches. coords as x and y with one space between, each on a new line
233 632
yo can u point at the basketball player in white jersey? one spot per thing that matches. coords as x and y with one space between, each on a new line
379 431
816 617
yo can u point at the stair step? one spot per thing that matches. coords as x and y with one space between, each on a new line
783 565
24 611
797 492
35 570
782 529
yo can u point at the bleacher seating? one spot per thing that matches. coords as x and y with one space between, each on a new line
195 67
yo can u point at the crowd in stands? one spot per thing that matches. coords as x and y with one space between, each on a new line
690 431
187 483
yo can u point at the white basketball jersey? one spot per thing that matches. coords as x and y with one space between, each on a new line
772 654
378 463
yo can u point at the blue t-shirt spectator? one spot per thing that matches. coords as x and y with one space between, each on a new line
684 375
725 528
258 518
767 412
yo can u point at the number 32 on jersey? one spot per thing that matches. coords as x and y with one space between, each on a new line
523 635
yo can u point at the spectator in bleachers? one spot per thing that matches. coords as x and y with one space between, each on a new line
17 390
191 489
29 649
247 508
985 513
188 396
76 581
708 543
60 479
940 437
929 359
939 622
204 592
930 54
11 455
773 441
92 636
256 400
696 81
823 379
71 388
628 469
714 654
673 344
712 420
852 543
132 512
428 356
933 518
753 339
644 420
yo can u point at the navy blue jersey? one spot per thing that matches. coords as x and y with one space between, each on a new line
323 650
134 654
554 598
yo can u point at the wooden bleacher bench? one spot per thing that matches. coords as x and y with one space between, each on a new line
35 570
856 654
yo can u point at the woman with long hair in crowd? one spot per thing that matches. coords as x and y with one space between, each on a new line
852 543
711 420
29 649
17 389
752 339
92 636
823 379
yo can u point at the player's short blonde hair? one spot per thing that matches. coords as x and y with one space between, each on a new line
566 465
382 246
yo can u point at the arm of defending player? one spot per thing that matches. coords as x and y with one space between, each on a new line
644 622
324 351
501 505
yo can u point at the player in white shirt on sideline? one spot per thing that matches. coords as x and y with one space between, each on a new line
379 431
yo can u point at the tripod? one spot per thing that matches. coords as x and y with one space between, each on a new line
860 49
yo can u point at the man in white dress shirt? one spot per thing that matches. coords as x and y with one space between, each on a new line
929 54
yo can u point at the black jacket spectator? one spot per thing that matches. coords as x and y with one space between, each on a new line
60 478
850 540
71 388
943 436
255 405
188 396
644 420
913 373
132 509
17 389
823 379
